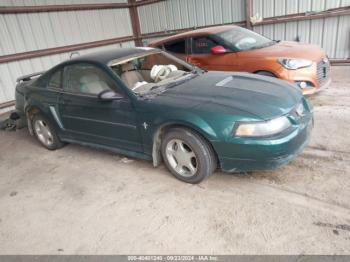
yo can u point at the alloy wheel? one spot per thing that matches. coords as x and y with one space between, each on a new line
43 132
181 158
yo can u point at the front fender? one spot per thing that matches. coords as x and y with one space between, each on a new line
152 128
188 120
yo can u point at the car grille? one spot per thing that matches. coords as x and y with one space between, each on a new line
322 70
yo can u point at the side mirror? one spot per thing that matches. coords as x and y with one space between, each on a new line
109 95
217 50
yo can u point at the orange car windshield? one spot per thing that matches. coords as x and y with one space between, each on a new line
241 39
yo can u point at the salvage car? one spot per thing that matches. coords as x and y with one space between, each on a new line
148 104
233 48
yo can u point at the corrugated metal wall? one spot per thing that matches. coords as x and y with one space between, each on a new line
27 32
53 2
36 31
333 34
177 14
271 8
147 41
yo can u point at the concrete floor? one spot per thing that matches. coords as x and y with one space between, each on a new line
78 200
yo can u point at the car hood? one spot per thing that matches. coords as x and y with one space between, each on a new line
291 50
243 94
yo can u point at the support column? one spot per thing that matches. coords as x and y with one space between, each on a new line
135 22
248 13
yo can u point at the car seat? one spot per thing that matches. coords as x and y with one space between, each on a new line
129 75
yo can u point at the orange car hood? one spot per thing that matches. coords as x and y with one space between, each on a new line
290 50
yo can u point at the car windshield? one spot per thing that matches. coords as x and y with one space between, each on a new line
152 72
241 39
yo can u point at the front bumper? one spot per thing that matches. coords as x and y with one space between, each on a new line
266 153
314 90
314 76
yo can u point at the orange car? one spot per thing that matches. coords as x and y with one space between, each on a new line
233 48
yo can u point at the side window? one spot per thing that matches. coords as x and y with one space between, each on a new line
202 45
177 47
86 78
55 80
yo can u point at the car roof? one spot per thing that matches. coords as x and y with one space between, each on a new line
202 31
105 57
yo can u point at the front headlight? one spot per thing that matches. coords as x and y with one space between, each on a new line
260 129
293 64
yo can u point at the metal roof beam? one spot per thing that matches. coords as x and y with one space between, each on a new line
63 49
341 11
71 7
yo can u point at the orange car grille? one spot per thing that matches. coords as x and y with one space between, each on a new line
322 70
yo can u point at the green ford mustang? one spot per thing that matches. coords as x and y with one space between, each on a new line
147 104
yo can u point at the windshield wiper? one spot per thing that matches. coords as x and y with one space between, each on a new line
158 89
163 88
179 82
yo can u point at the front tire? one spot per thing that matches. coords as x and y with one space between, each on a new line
265 73
187 155
45 132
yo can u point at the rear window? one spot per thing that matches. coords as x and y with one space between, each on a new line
55 80
177 47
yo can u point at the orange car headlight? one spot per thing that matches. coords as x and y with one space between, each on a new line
293 64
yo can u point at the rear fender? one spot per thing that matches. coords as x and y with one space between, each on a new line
30 111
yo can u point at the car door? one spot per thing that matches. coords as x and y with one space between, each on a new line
87 118
201 55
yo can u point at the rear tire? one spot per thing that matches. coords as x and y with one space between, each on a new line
45 133
187 155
